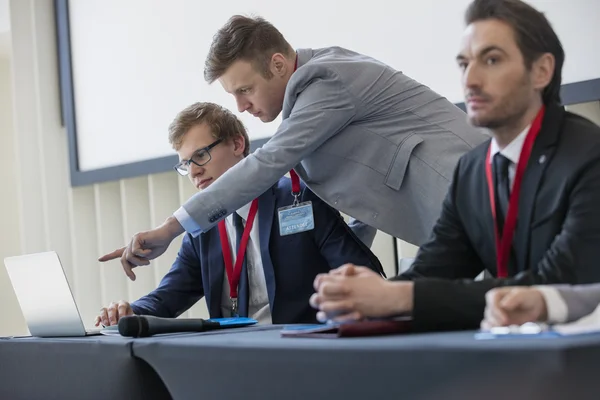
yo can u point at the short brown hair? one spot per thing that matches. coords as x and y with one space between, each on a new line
222 123
533 33
248 39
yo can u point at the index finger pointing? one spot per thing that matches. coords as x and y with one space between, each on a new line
111 256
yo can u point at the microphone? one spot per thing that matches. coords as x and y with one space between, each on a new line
147 325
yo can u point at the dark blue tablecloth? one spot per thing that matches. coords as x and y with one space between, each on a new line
256 363
94 367
440 366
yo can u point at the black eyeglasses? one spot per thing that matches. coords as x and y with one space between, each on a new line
200 157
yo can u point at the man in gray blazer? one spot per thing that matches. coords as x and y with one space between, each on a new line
367 139
545 303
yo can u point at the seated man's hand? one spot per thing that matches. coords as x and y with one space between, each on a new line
110 315
352 293
145 246
513 306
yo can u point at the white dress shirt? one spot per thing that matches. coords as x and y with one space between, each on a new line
556 307
187 222
512 151
258 299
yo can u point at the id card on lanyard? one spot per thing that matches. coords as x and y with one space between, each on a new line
504 241
299 216
235 271
292 219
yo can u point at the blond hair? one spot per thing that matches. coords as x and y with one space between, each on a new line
223 124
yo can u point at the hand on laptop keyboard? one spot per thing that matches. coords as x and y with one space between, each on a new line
110 315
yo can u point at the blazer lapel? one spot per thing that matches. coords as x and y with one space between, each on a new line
541 155
488 218
216 272
266 210
485 219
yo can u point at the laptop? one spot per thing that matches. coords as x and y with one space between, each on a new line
45 297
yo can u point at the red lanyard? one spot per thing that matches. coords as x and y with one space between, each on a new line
503 244
234 273
293 174
295 183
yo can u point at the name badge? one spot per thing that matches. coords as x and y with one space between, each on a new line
296 219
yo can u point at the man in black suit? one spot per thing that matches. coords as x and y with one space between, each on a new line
548 200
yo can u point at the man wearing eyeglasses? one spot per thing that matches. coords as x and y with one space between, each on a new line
263 251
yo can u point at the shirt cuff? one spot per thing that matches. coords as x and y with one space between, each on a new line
556 306
187 222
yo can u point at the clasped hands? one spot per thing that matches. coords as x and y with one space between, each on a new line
352 292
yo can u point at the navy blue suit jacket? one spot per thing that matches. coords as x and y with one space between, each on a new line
290 263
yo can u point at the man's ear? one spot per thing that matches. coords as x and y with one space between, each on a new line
543 71
239 145
278 65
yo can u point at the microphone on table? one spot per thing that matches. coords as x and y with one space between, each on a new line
147 325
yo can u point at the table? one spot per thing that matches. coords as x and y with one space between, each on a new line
94 367
262 365
256 363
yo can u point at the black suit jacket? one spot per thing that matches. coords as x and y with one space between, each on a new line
557 238
290 263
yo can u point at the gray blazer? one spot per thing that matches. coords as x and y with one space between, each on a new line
368 140
581 300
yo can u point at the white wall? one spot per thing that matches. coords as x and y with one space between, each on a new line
4 29
420 38
587 110
39 210
4 16
11 319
